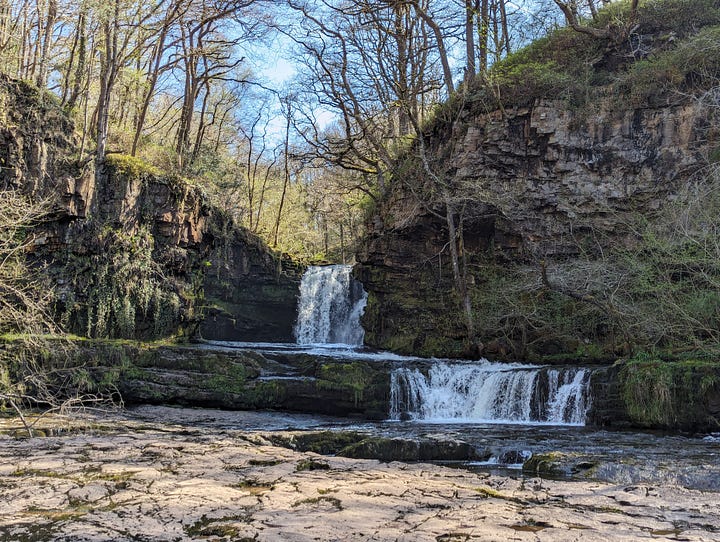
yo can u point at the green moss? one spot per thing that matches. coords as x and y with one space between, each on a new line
127 293
39 472
659 393
402 344
131 166
253 486
212 528
234 380
490 493
311 464
323 442
353 377
546 464
333 501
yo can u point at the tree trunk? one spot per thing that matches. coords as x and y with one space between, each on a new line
483 26
156 61
46 43
403 93
440 42
459 275
470 68
81 60
504 25
108 74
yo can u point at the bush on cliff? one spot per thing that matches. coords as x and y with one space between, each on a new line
659 56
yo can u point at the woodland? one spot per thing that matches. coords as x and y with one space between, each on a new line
525 198
192 88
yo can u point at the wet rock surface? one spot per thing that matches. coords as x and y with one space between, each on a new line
150 481
234 378
364 446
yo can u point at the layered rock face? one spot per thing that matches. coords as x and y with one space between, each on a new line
135 253
546 171
538 186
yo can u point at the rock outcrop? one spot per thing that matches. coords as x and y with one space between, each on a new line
230 378
136 253
541 187
654 394
182 482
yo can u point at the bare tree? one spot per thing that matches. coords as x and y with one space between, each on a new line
371 64
287 109
572 11
28 380
207 57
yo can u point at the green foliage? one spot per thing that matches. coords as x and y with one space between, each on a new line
672 276
574 66
668 394
522 83
694 64
559 65
647 391
678 16
128 295
131 166
531 322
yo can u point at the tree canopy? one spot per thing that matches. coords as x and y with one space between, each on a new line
186 85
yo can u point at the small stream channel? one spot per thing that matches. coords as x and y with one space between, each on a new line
622 457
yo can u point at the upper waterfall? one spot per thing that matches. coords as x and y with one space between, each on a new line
331 304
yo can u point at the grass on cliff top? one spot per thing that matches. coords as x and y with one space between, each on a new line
132 166
668 44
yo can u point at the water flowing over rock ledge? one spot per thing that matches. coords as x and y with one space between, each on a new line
316 381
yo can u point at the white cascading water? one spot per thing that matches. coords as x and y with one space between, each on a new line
331 304
486 392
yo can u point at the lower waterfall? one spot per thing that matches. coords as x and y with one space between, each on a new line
331 304
485 392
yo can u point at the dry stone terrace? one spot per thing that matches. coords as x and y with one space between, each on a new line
117 479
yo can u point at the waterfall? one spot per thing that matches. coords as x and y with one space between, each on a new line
331 304
491 392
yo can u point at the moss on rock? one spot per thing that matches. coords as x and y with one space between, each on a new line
671 394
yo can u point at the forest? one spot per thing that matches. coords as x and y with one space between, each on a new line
298 153
359 270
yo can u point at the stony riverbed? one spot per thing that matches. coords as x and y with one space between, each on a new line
115 478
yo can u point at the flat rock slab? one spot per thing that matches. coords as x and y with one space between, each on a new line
167 483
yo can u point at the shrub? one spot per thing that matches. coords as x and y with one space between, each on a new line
692 65
679 16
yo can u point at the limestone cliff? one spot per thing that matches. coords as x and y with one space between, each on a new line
546 196
136 253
